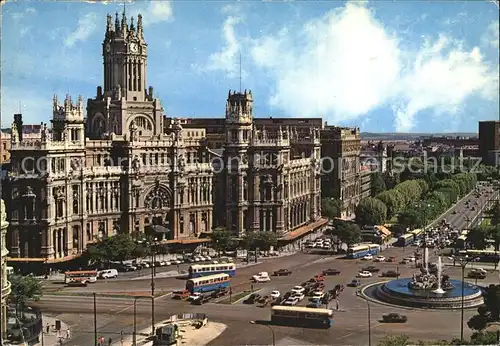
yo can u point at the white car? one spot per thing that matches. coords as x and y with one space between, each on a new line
318 295
380 259
275 294
176 262
194 296
291 301
298 289
365 274
299 296
367 258
168 263
258 278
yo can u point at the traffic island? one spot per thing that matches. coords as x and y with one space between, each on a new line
183 329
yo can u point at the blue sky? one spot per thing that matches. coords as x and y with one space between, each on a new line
382 65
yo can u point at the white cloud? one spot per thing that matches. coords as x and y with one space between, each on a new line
87 25
346 64
154 12
491 36
227 59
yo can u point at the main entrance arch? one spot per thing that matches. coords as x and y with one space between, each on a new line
158 203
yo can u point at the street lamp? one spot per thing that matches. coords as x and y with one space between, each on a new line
134 336
153 273
463 261
270 328
369 324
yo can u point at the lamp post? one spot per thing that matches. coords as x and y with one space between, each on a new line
134 335
369 324
95 319
153 272
463 261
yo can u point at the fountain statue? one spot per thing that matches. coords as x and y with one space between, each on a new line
439 289
426 259
430 282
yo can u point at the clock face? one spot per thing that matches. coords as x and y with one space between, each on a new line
108 47
134 48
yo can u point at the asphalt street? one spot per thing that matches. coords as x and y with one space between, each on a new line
462 216
115 315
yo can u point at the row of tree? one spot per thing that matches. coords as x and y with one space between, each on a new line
479 338
224 240
482 235
414 202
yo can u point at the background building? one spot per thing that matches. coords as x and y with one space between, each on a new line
5 282
489 141
122 166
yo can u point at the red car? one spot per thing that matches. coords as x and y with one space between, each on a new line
319 277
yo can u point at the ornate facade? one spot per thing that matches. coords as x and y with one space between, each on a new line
122 166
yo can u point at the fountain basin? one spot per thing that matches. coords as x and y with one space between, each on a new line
397 292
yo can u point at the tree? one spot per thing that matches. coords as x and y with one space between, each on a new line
489 312
410 190
377 184
24 290
478 237
370 211
494 234
391 179
410 218
266 240
347 232
330 207
119 248
393 200
221 239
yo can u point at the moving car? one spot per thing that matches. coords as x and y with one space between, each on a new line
195 296
365 274
371 269
391 259
354 283
394 318
299 296
282 272
367 258
275 294
184 294
390 274
318 295
298 289
380 259
252 298
476 274
331 271
291 301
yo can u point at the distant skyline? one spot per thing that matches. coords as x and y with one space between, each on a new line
424 67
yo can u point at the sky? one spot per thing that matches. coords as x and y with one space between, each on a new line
385 66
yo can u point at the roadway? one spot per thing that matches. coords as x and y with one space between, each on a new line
462 216
350 326
351 322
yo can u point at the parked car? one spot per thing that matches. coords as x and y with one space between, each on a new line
365 274
331 271
299 296
282 272
319 277
394 318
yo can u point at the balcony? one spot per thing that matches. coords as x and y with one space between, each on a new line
6 288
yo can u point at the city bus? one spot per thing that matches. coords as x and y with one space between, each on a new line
208 283
81 277
299 316
363 250
198 270
487 256
418 234
405 240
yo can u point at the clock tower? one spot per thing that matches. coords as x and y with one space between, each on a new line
125 58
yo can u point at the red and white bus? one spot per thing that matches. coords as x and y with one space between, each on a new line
81 277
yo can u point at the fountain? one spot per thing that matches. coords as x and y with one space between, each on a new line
439 289
430 288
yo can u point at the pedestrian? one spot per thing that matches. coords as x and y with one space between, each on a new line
68 334
110 341
60 341
48 328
